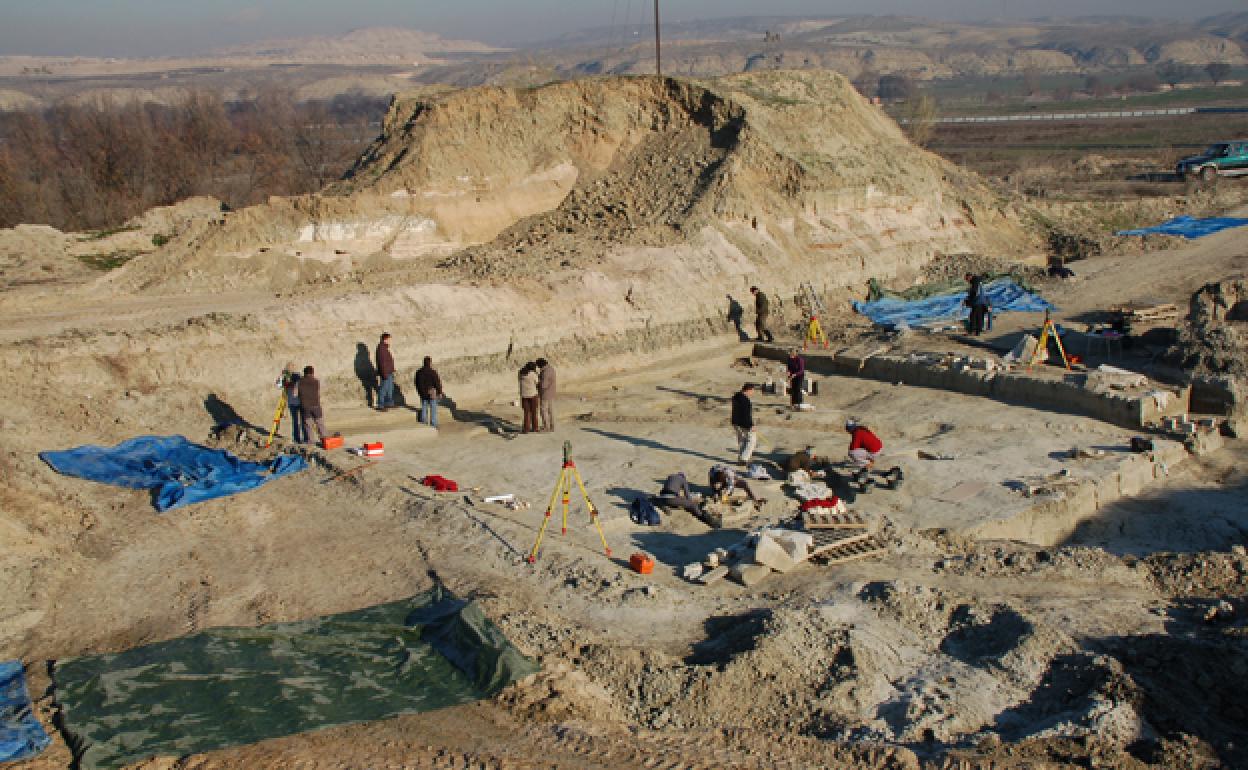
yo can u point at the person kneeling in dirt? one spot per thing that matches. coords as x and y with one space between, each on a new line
864 446
310 400
676 494
724 480
802 460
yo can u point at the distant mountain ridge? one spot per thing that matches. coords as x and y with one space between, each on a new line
374 44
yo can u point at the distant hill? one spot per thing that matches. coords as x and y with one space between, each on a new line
374 45
858 45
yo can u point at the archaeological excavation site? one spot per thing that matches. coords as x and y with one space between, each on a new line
787 506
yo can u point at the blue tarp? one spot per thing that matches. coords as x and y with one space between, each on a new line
21 735
179 472
1188 227
1003 295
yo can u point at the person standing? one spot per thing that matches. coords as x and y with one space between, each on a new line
743 422
977 302
310 401
429 386
529 396
762 313
290 385
864 446
796 368
385 372
546 394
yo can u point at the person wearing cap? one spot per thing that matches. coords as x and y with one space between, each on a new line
290 384
762 312
802 460
864 446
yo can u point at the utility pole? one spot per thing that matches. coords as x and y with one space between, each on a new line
658 43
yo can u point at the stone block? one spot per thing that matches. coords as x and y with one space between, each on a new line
749 574
796 544
714 576
691 571
769 553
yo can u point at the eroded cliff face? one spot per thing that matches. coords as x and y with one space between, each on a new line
582 219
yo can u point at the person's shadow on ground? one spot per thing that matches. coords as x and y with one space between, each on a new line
223 415
366 373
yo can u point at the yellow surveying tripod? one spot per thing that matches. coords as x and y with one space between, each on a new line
277 413
563 487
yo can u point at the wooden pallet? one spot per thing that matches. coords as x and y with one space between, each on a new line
851 550
825 540
817 518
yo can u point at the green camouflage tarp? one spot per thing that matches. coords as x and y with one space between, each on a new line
232 686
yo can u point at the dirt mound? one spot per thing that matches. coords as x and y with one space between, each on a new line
1213 347
501 182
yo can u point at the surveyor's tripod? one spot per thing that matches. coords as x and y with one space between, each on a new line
1049 330
563 487
277 413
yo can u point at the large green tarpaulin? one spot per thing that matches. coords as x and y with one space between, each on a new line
232 686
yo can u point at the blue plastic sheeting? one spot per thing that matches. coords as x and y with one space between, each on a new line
1003 295
179 472
21 735
1189 227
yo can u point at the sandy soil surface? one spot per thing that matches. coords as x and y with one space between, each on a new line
1121 646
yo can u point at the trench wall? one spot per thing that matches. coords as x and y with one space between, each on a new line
1066 395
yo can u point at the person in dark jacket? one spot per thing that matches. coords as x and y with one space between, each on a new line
675 494
743 422
762 313
385 372
310 401
796 368
429 386
290 385
977 302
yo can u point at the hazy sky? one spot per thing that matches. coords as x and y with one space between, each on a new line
163 27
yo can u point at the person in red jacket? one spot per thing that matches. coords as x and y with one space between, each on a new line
864 446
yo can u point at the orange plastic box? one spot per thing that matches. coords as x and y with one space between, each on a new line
374 450
642 563
331 442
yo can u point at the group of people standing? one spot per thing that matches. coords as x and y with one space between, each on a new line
537 396
428 383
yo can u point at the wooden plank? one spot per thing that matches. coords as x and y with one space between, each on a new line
818 518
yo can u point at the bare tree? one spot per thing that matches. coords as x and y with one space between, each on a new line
1217 71
1173 72
921 113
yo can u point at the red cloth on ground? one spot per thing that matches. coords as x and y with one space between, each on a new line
862 438
827 502
440 484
